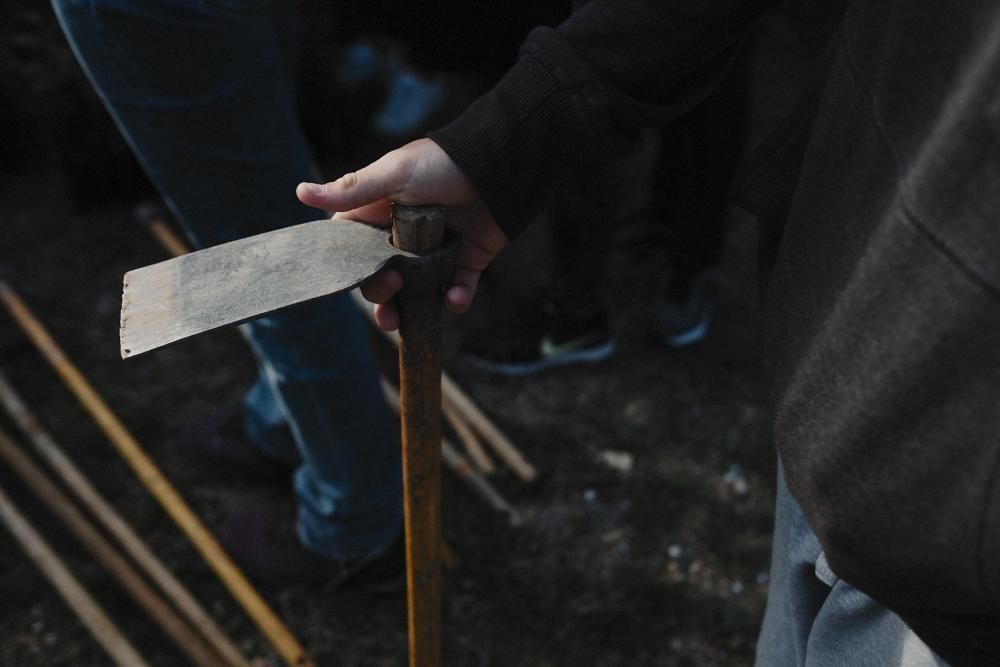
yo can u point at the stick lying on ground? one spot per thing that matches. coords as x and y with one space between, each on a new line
479 484
75 595
458 401
505 449
469 439
47 448
59 504
235 581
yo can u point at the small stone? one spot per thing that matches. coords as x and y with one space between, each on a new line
617 460
675 551
589 496
735 480
736 587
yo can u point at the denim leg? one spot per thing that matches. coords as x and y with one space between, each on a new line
319 365
265 423
201 91
816 619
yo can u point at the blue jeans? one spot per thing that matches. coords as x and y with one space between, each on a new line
202 92
816 619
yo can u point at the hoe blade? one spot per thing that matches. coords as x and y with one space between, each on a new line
241 280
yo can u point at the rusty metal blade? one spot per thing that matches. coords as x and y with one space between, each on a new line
238 281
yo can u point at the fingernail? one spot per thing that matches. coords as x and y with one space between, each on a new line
314 188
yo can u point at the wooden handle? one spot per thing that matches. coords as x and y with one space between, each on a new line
420 229
417 229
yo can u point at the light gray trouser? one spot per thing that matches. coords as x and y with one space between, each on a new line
815 619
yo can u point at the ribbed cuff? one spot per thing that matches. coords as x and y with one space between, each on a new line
510 142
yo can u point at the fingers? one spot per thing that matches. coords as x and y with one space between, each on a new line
462 290
379 182
387 316
482 239
420 172
380 290
381 287
376 213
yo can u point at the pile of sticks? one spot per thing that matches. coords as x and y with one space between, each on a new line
139 571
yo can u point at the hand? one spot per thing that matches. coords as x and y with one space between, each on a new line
418 173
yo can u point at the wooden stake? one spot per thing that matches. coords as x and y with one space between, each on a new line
76 596
235 581
469 439
419 230
85 492
102 551
461 467
501 444
459 403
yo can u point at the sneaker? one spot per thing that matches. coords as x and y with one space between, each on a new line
266 545
218 444
684 319
569 341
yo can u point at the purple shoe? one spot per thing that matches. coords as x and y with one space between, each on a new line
217 444
266 545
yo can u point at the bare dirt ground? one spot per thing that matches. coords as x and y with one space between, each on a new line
662 562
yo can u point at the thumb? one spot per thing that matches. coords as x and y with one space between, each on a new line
381 180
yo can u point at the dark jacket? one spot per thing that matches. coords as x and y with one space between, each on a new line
881 217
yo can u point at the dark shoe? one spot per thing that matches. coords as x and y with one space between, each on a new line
267 546
684 318
217 444
568 341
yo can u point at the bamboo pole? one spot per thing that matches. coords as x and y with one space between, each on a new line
469 439
76 596
502 445
461 467
287 646
457 400
104 553
91 498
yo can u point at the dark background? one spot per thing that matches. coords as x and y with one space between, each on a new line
662 564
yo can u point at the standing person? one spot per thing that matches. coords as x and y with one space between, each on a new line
878 202
203 94
670 194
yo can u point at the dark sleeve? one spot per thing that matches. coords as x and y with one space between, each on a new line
581 93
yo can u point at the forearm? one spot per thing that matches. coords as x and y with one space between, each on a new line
580 93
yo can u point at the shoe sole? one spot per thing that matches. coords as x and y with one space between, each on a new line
517 369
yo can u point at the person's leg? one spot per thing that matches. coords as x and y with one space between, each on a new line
816 619
585 213
202 92
698 157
